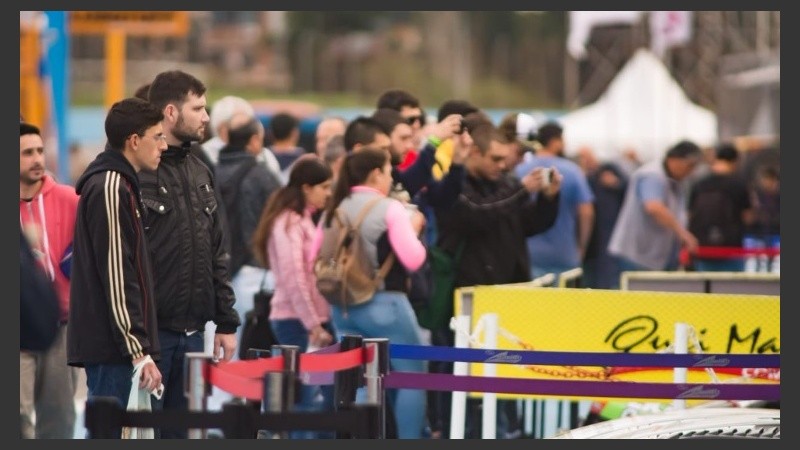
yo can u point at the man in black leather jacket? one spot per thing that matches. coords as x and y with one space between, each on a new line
185 233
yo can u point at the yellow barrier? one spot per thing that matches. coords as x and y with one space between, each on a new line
558 319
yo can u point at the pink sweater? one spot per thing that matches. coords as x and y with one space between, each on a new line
54 209
296 295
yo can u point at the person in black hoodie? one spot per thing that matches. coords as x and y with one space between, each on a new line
113 314
184 227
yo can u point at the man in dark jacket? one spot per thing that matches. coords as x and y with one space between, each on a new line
245 184
492 217
185 232
112 314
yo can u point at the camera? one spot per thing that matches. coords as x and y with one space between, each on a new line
462 126
547 176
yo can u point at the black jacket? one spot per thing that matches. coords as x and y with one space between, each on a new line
184 229
254 189
112 315
493 218
38 302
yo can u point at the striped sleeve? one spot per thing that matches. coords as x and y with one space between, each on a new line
116 243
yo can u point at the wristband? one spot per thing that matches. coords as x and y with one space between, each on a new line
434 141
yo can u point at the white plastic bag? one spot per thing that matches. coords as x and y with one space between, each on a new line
139 400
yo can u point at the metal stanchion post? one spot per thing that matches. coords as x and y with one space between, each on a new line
196 389
374 371
346 382
280 386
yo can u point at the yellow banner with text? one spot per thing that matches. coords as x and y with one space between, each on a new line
586 320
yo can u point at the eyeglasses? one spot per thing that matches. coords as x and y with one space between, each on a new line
410 120
157 137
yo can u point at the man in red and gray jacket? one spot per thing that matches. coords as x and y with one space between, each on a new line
47 217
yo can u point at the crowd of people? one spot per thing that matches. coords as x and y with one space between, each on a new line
166 236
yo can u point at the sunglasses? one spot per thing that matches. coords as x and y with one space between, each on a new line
412 119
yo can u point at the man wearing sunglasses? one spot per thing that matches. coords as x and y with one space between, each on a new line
409 108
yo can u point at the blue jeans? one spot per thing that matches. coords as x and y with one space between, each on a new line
389 315
174 346
311 398
109 380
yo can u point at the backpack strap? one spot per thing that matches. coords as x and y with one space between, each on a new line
387 263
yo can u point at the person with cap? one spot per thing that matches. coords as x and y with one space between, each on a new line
520 130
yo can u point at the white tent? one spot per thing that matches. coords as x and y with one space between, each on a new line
643 108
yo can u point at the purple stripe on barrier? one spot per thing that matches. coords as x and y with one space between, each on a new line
439 353
320 378
626 389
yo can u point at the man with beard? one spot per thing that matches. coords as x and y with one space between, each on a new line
185 232
47 211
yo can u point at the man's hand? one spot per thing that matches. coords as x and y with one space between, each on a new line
534 181
447 127
151 376
462 144
319 337
688 241
226 343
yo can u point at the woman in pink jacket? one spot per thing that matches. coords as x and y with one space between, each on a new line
299 315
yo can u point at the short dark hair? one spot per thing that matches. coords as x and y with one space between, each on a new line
449 107
239 137
387 119
130 116
143 92
397 98
484 133
727 152
548 132
475 119
173 86
361 130
27 128
684 150
282 124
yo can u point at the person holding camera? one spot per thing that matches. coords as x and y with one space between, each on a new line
489 222
563 246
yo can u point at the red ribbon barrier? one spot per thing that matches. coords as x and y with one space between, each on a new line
236 385
245 378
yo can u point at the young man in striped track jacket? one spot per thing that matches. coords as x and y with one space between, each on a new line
112 312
